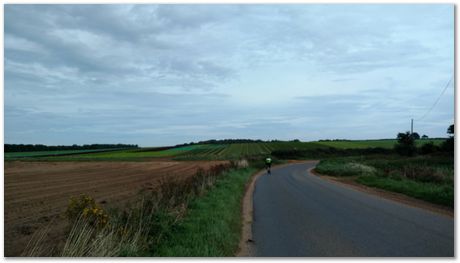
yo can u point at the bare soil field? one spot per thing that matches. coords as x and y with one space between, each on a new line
37 193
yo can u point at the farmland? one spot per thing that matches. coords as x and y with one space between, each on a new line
36 193
17 155
361 144
202 151
38 184
189 152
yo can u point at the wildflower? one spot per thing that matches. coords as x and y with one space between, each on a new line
85 211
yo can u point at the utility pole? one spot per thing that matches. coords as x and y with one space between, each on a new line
411 126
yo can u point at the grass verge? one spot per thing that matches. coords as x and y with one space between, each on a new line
434 193
429 178
212 226
197 216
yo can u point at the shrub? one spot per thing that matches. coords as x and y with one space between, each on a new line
448 145
423 173
428 148
406 144
85 206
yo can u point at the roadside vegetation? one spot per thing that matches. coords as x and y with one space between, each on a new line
430 178
199 216
212 226
425 172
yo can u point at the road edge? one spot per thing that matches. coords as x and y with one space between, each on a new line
246 245
393 196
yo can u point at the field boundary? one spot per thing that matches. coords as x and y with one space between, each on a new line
393 196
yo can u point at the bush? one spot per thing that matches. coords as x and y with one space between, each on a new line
448 145
406 144
84 206
429 148
423 173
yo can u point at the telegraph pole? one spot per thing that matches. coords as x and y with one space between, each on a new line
411 126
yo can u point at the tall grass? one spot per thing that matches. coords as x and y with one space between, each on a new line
212 226
430 178
36 246
123 236
142 225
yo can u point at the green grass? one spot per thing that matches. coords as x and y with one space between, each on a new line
125 155
361 144
239 150
430 178
212 226
436 193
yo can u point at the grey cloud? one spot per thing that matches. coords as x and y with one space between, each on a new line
182 72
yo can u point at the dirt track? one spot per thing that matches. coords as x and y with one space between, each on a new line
37 193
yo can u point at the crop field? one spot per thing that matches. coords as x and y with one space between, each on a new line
202 151
191 152
241 150
373 143
36 193
17 155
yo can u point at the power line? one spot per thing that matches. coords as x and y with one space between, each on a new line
437 100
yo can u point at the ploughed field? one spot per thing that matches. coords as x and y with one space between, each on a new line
37 193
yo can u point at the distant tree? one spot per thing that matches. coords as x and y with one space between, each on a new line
406 144
450 130
424 137
449 144
415 135
41 147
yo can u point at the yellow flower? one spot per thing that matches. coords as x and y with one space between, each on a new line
85 211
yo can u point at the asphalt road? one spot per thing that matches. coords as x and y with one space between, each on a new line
299 214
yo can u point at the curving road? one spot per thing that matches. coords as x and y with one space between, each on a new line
299 214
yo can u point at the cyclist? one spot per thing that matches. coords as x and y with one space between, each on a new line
268 164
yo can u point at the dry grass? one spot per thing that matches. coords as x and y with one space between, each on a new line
138 228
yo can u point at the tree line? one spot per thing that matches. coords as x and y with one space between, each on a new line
41 147
232 141
406 144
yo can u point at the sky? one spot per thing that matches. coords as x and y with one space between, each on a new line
168 74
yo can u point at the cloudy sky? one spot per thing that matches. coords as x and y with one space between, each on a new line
168 74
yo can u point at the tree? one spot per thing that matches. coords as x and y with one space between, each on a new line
415 135
424 137
406 144
449 144
450 130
